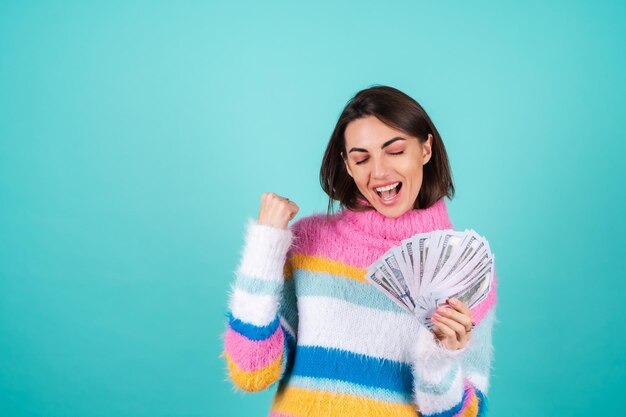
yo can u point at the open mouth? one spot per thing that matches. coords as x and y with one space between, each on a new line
390 192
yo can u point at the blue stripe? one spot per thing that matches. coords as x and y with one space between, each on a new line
482 403
309 283
251 331
320 362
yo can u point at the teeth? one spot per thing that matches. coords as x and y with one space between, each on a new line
388 187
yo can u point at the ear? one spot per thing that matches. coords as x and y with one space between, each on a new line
427 149
345 161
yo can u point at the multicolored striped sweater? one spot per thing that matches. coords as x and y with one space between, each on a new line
302 314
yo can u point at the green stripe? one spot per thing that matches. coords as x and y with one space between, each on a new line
477 357
439 388
308 283
288 307
258 286
329 285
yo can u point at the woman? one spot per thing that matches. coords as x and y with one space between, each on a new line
301 311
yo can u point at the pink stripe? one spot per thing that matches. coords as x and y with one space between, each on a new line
276 414
344 237
468 398
250 355
480 311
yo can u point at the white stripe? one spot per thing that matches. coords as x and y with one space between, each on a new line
436 403
265 251
259 310
479 381
335 323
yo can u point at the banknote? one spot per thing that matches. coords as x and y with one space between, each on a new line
426 269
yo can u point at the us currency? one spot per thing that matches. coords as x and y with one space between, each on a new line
400 293
382 284
422 246
428 268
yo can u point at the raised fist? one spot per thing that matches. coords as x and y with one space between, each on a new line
276 211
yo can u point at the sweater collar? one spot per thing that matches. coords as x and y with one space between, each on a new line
374 225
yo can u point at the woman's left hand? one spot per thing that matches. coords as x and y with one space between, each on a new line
453 324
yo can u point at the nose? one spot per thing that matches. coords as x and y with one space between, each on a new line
379 169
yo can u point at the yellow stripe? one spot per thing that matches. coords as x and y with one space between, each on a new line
304 402
472 408
256 380
318 264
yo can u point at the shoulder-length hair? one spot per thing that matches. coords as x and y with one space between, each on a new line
399 111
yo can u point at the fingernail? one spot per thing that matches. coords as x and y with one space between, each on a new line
452 300
436 316
442 310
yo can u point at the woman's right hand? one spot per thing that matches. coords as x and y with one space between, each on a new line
276 211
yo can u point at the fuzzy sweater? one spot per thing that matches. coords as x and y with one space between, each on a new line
301 313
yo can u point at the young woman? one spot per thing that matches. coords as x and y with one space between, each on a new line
302 313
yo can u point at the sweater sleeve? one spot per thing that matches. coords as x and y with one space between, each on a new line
455 383
260 331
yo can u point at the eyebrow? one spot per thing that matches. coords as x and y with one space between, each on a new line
389 142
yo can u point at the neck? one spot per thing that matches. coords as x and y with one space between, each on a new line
374 226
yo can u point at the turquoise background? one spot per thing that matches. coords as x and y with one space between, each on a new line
137 137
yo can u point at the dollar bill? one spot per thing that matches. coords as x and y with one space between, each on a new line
426 269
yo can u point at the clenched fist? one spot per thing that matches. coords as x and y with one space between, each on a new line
277 211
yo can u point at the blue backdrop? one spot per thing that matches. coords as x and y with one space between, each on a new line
137 137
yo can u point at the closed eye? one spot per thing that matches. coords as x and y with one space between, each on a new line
390 153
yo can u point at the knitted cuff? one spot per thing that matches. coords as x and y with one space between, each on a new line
430 354
265 251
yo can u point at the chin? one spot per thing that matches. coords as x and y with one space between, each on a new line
392 211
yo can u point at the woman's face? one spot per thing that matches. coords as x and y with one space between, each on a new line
380 156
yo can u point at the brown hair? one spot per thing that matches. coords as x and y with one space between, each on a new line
399 111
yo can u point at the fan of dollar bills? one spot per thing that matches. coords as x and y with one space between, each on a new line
428 268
